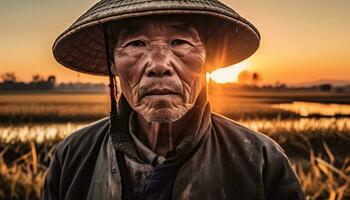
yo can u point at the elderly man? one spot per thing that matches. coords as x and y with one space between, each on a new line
161 140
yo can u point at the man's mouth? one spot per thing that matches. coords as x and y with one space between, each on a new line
159 92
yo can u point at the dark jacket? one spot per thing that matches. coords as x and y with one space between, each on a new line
231 162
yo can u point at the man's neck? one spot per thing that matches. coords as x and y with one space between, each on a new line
163 137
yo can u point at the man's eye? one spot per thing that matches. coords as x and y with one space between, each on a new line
178 42
136 43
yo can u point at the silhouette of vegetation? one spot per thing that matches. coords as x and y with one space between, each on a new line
9 77
326 87
9 83
38 83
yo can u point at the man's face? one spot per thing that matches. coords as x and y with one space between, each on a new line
160 63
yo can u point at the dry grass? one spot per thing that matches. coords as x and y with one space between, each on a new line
298 136
324 180
23 178
319 147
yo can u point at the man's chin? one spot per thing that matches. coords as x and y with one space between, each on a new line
163 115
164 109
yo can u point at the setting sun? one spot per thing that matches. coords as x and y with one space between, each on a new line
227 74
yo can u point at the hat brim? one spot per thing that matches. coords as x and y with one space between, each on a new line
81 48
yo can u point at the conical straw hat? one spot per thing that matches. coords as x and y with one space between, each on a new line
81 46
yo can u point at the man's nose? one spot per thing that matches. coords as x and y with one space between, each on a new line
160 64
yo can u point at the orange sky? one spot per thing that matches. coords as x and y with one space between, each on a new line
301 40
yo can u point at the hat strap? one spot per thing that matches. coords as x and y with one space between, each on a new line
113 88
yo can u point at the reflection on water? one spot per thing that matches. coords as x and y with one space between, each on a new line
302 125
41 132
38 132
308 108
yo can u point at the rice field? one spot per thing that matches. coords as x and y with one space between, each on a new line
318 144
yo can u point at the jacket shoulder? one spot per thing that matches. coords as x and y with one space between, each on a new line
72 165
83 139
235 133
87 133
257 155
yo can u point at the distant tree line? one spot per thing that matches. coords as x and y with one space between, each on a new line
247 80
9 82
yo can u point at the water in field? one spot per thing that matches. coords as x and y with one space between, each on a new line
309 108
45 116
37 132
42 132
301 125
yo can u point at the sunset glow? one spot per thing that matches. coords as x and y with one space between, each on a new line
294 49
227 74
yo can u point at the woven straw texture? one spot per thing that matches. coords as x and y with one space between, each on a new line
81 46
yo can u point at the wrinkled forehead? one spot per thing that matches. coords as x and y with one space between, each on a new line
157 26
